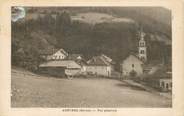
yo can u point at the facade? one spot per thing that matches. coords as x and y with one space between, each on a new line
58 55
132 64
54 54
160 79
75 57
98 66
109 61
165 84
78 58
70 67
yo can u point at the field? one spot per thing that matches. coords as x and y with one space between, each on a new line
30 90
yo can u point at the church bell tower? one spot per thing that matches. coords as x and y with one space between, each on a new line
142 49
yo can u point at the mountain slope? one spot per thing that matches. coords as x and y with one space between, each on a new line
116 39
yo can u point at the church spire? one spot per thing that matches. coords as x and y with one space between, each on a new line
142 46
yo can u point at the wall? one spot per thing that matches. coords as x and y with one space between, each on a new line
57 56
72 71
132 63
53 71
99 70
163 84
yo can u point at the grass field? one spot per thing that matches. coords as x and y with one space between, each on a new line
41 91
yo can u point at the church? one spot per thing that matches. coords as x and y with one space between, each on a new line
132 65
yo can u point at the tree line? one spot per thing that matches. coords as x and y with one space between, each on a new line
117 40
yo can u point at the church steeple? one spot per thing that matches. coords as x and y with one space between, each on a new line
142 49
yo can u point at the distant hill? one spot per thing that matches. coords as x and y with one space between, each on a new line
93 30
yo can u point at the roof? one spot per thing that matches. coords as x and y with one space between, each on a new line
52 51
63 51
98 61
74 56
133 54
48 51
81 62
161 73
107 59
61 63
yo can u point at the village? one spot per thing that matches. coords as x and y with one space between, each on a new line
134 67
91 57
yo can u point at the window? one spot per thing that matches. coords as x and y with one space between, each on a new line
163 84
171 85
142 51
141 44
142 58
167 85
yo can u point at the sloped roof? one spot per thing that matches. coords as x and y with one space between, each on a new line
48 51
98 61
133 54
74 56
52 51
107 59
81 62
63 51
61 63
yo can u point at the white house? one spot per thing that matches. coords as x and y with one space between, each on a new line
132 64
55 54
98 66
108 60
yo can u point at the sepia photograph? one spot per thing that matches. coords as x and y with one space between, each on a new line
91 57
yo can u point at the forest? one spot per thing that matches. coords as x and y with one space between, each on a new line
116 40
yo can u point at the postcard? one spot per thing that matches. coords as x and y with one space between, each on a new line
91 58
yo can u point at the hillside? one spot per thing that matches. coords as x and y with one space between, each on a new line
91 31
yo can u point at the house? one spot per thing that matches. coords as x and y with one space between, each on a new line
60 67
108 60
161 78
132 66
75 57
165 84
54 54
79 59
162 82
98 66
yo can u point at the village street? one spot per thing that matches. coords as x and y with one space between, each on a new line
35 91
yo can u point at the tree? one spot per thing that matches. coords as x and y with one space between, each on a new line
63 23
